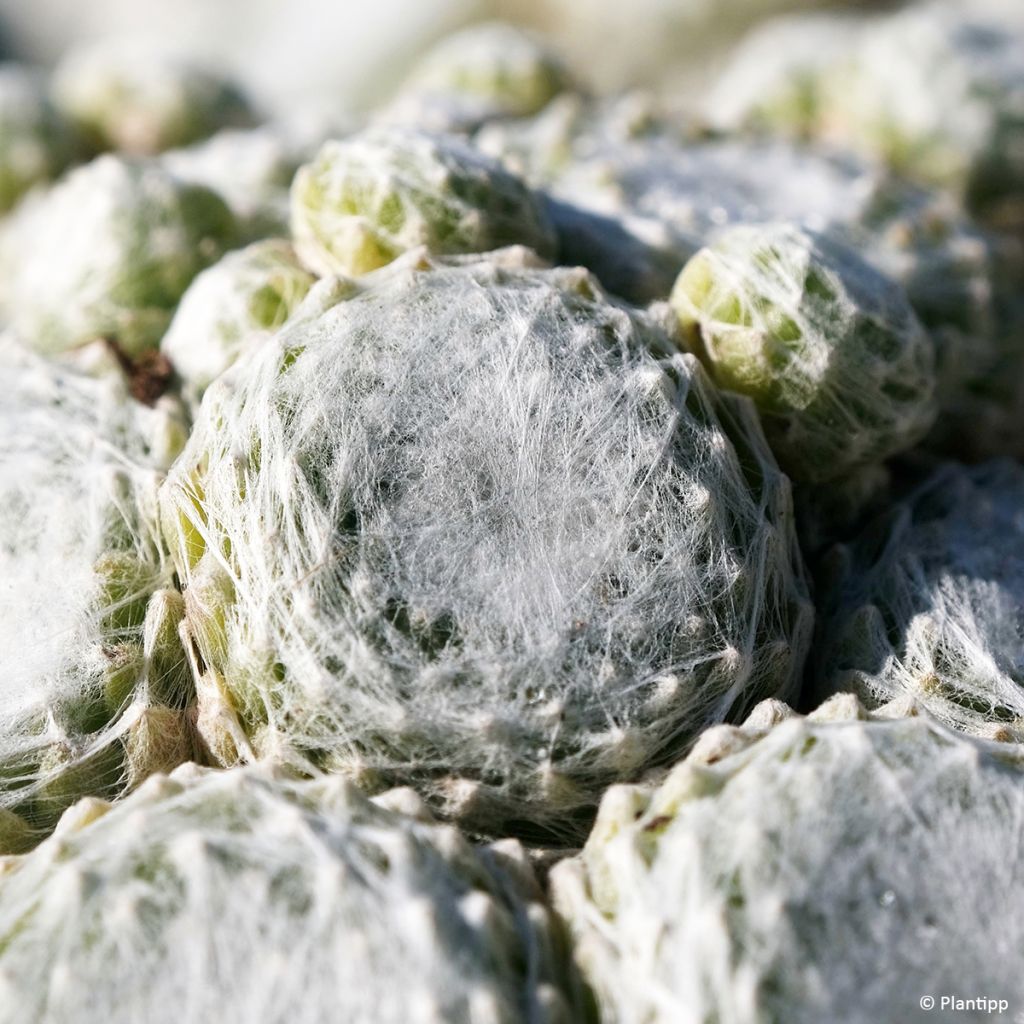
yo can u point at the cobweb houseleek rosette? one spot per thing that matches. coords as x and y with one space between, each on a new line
830 350
833 867
363 201
487 71
776 81
479 530
230 308
926 602
936 91
107 253
94 685
244 896
36 143
141 100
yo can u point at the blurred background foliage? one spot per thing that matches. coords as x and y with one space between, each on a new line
349 54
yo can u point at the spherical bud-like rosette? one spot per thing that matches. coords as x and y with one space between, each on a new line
830 350
230 308
362 202
138 99
36 143
938 92
487 71
774 82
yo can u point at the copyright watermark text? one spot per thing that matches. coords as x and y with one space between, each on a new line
982 1004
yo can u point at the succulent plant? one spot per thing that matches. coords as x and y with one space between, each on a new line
489 70
775 81
36 143
141 100
230 307
964 284
937 92
479 530
94 685
364 201
107 253
830 350
842 866
926 602
242 896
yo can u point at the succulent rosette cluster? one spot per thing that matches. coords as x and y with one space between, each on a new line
419 524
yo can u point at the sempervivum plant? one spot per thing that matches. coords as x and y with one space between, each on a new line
364 201
107 252
830 350
36 143
230 307
936 91
963 281
143 100
94 685
486 71
774 82
240 896
480 530
833 867
927 602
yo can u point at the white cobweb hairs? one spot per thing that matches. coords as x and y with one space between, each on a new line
830 350
837 867
93 679
927 602
480 531
238 897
